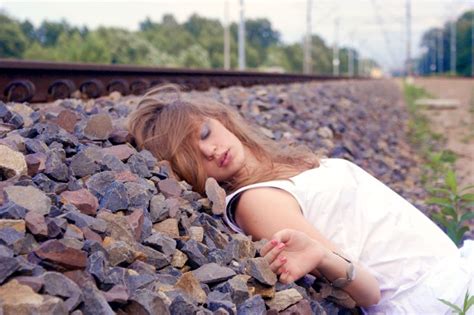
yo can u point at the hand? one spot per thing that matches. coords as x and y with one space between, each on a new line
293 254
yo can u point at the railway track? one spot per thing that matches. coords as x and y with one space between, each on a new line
34 81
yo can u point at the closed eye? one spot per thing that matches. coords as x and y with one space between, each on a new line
205 131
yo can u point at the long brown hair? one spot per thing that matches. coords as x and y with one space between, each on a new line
166 123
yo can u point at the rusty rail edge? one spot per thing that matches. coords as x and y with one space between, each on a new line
37 81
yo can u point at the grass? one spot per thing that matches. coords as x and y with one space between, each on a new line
454 204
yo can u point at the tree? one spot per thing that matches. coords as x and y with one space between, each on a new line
12 40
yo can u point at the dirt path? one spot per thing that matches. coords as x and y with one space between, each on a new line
456 125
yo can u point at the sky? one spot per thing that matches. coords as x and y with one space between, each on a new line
376 28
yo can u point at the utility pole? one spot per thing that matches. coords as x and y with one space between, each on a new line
242 37
350 62
226 36
408 65
307 43
472 45
335 51
440 51
453 48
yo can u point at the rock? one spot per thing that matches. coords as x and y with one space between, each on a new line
100 182
212 272
30 198
35 163
179 259
94 301
119 252
115 197
190 285
196 233
11 210
99 127
170 188
67 120
221 303
138 194
196 253
138 165
260 270
147 302
302 307
74 232
183 305
253 306
61 257
135 221
284 299
55 168
237 287
122 151
18 299
35 283
24 111
118 294
59 285
18 225
83 165
168 227
215 194
12 163
82 199
9 266
241 246
162 243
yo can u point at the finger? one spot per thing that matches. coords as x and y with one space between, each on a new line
277 263
268 247
285 277
273 254
283 235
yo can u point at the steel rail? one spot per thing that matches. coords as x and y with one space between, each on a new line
38 81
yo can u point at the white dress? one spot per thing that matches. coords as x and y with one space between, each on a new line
413 260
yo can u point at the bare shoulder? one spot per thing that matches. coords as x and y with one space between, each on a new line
263 211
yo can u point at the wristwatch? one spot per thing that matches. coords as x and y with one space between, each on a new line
350 274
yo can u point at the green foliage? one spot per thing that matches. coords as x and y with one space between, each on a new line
468 302
196 43
431 40
12 40
456 207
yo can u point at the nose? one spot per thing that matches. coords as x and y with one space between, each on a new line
208 150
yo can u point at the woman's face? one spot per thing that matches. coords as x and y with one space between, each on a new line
223 153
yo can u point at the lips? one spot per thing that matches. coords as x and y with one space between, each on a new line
224 159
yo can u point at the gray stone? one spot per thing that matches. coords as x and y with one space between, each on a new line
29 198
98 127
98 265
57 284
212 272
196 253
139 196
55 167
98 183
216 195
115 197
35 146
162 243
10 210
94 301
253 306
260 270
138 165
241 246
183 305
147 301
9 266
82 165
12 163
284 299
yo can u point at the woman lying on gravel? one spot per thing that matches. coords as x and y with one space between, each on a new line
326 217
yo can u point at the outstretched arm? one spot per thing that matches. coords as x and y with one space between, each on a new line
262 212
